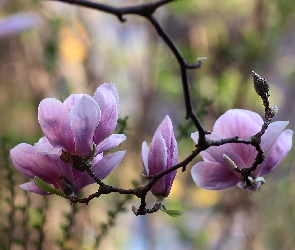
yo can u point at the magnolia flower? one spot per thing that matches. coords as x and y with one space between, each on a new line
73 130
33 161
217 169
161 155
81 121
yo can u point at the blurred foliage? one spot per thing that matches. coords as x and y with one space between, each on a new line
73 50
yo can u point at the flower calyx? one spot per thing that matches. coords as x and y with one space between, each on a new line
79 163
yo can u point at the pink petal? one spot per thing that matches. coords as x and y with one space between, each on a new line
236 122
31 163
51 170
268 142
107 98
45 148
111 142
103 167
213 176
157 158
253 116
271 135
84 117
23 158
157 161
144 157
83 180
54 119
278 152
31 187
174 158
241 123
166 129
169 178
71 100
214 154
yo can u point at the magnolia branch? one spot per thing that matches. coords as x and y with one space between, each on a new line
147 10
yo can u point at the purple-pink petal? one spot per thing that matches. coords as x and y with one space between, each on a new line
54 120
52 169
45 148
213 176
31 163
279 151
157 154
236 122
166 129
157 161
72 100
23 158
144 157
214 154
103 167
84 117
107 98
31 187
111 142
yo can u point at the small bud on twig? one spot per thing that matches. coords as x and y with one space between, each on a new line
274 110
260 85
229 162
134 210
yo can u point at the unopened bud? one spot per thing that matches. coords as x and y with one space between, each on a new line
134 210
260 179
260 85
274 110
229 162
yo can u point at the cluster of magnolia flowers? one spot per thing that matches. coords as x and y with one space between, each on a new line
80 130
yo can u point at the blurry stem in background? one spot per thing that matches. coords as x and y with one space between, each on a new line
10 189
68 226
121 125
112 216
40 226
25 220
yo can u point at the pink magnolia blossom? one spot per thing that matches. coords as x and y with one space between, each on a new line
72 129
43 161
161 155
214 173
81 120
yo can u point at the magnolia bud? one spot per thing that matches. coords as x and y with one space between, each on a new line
229 162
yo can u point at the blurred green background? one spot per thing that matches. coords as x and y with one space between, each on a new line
73 50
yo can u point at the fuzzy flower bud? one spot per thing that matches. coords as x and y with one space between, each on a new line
161 155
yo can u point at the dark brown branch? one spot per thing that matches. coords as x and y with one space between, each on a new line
147 10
